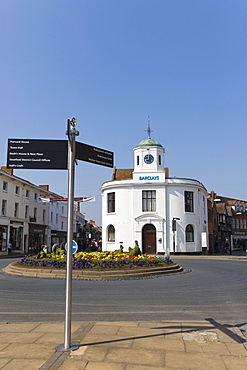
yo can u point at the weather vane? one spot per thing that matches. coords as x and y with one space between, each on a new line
149 130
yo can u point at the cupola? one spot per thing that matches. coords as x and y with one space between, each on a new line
149 155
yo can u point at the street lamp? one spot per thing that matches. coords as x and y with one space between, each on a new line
174 228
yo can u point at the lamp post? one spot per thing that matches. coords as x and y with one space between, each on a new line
174 228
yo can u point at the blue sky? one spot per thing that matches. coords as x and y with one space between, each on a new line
111 63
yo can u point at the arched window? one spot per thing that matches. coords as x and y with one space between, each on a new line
111 233
189 232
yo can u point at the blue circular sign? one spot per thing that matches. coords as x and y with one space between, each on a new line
74 247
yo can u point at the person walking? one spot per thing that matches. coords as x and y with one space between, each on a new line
9 248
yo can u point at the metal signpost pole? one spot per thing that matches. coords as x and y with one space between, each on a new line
71 179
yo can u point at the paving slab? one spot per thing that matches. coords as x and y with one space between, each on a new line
194 361
3 361
18 327
154 343
107 341
104 366
105 329
73 364
19 337
23 364
27 350
235 362
123 346
143 367
236 350
136 356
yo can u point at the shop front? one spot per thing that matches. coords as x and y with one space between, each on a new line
3 238
36 238
58 237
16 235
239 240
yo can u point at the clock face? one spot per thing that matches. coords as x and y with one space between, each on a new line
148 158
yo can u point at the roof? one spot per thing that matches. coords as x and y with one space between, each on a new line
149 142
221 208
122 174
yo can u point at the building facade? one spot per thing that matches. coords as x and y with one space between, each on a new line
28 219
227 219
165 215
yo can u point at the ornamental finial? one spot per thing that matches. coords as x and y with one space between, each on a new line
149 130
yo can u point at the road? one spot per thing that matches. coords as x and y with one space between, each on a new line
210 289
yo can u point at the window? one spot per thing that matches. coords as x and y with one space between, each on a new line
43 217
17 190
35 196
237 223
56 218
62 209
159 160
204 206
148 200
35 212
5 186
138 160
189 233
51 217
233 223
244 224
240 224
110 202
16 209
111 233
188 201
26 211
27 193
4 207
62 225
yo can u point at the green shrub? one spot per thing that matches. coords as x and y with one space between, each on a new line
136 250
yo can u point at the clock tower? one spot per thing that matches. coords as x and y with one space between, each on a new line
149 158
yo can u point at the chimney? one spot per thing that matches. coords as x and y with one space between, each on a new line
45 187
9 170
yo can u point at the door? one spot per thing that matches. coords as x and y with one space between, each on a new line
149 239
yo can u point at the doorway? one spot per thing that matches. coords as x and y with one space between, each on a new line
149 239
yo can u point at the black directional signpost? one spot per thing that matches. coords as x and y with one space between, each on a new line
59 155
37 154
94 155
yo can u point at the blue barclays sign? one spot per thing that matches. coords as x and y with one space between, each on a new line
148 177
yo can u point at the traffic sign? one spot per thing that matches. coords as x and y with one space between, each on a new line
74 247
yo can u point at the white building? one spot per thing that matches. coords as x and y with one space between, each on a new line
163 214
28 222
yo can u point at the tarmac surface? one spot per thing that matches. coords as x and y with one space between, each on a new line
134 345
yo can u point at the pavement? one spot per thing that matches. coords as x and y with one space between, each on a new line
123 346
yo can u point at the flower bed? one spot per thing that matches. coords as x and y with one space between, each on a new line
96 260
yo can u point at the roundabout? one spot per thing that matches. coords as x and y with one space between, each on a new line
91 273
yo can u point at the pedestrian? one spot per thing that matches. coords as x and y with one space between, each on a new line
9 248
